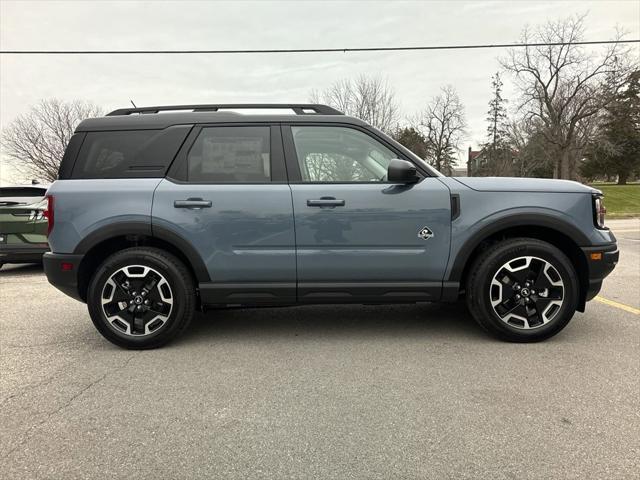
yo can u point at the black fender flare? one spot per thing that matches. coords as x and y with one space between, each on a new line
143 228
514 219
187 248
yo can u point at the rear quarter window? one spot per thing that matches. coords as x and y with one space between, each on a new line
128 153
70 155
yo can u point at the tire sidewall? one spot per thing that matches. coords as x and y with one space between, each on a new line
148 259
502 255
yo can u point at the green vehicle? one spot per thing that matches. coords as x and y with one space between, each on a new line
23 225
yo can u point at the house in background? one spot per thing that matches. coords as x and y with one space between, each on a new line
476 163
479 164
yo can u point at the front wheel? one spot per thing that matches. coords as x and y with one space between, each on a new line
522 290
141 298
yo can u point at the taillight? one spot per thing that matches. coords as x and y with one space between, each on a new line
48 214
599 211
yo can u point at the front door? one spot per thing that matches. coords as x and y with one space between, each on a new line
359 237
227 196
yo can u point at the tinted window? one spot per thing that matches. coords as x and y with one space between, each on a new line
21 195
340 154
230 155
70 154
128 153
23 192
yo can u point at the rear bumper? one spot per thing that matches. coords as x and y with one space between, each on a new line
600 268
63 277
22 252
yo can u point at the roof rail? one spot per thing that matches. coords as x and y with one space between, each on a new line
298 108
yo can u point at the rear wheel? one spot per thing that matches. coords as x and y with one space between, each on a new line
141 298
522 290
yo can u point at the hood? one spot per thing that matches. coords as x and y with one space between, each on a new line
509 184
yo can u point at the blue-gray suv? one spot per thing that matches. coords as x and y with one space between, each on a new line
160 211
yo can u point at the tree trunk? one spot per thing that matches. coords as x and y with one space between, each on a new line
622 178
565 169
559 164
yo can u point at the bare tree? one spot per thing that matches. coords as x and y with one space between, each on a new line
443 124
562 85
527 142
368 98
36 140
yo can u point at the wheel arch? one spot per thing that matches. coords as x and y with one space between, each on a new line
566 237
107 240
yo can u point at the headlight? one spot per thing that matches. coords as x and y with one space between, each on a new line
599 211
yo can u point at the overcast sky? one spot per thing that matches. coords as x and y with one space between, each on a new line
111 81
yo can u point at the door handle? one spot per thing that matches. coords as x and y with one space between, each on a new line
329 202
192 203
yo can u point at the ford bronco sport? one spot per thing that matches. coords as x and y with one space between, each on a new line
160 211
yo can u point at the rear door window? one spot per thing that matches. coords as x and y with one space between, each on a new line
238 154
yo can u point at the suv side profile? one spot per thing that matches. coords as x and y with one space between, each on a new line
160 211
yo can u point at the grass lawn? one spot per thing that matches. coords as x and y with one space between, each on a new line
621 200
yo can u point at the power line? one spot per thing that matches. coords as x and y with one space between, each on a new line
305 50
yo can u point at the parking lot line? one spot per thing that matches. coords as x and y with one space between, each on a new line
621 306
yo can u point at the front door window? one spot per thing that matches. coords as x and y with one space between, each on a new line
339 155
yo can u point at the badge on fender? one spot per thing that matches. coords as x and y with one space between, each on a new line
425 233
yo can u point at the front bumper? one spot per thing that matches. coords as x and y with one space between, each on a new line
22 252
62 272
601 261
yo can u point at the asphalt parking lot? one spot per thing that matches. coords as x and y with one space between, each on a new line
409 391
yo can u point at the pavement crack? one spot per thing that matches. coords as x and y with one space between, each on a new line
28 433
32 386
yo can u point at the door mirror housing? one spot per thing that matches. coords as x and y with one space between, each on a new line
401 171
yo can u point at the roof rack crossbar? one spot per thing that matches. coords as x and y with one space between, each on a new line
298 108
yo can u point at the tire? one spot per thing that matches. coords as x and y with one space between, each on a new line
500 300
164 292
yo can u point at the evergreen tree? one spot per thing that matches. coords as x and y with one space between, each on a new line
413 140
496 146
616 149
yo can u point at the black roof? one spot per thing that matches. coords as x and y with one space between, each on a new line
152 118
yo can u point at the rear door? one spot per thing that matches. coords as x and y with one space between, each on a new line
227 195
359 237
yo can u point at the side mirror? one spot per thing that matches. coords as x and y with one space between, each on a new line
401 171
